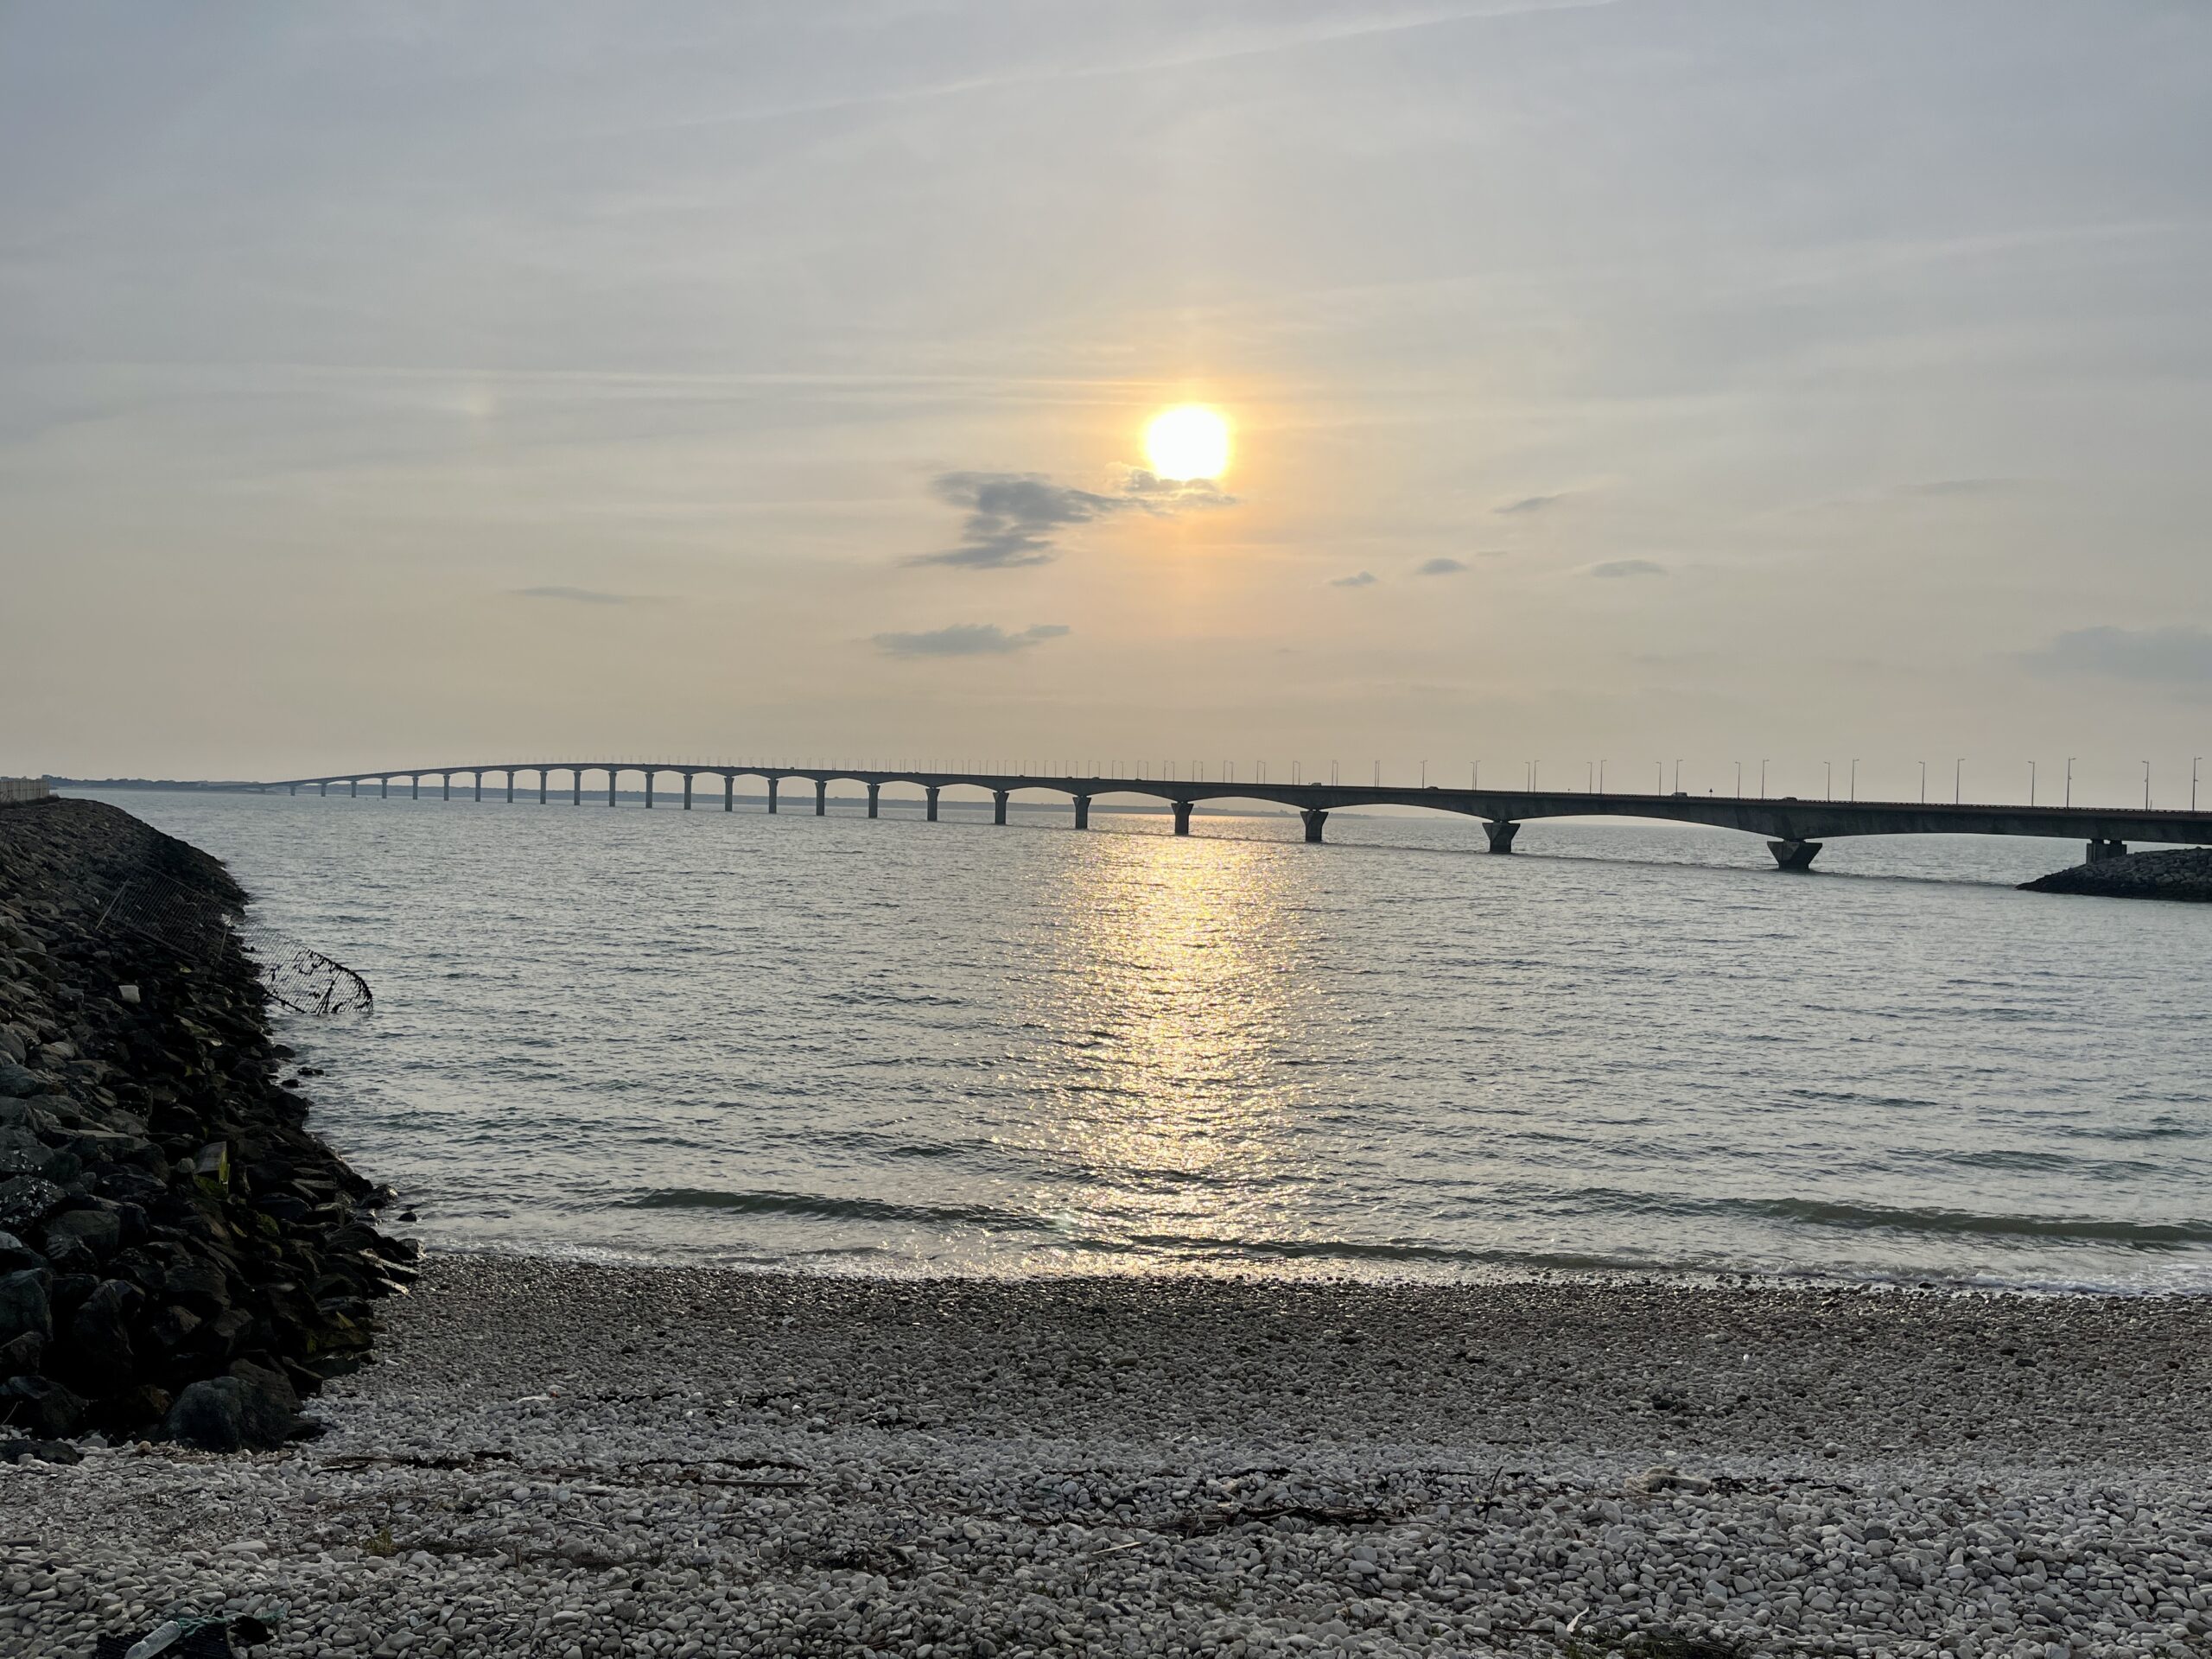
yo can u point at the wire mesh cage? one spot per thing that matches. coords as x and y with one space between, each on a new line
194 923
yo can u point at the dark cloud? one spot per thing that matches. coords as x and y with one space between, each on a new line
578 596
1440 568
2174 656
967 640
1531 504
1015 518
1629 567
1365 579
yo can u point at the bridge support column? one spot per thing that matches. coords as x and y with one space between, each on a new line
294 789
821 797
1315 816
511 785
1182 817
384 788
610 785
1083 811
1794 854
445 785
998 806
932 789
772 782
415 787
326 789
687 792
575 786
541 786
352 786
874 798
479 785
1501 834
649 788
2100 850
729 792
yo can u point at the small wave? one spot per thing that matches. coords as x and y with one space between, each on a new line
2072 1229
829 1209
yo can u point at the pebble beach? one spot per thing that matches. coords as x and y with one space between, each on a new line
571 1460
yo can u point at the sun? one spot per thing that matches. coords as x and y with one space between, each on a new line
1192 441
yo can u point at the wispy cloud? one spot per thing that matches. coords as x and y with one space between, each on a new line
2180 655
1440 567
1629 567
1531 504
1365 579
967 640
580 595
1942 486
1015 518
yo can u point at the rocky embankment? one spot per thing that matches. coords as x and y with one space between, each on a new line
179 1256
2185 873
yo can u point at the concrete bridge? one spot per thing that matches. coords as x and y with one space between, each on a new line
1795 830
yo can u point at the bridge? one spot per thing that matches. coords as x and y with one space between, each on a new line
1795 830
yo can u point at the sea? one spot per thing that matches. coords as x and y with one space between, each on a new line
895 1046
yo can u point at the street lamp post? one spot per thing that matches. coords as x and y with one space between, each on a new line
1739 780
2193 764
2147 785
1924 783
1827 772
1959 781
1678 775
2069 780
1762 780
2031 783
1854 777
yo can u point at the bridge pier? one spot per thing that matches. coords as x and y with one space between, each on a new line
1501 834
687 792
649 788
352 786
998 805
821 797
610 785
384 788
1315 816
326 789
1083 811
479 785
415 787
2101 850
772 782
932 795
575 786
295 789
1182 817
729 792
445 785
542 774
1794 854
874 798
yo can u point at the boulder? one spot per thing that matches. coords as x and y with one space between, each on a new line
17 1083
98 1341
22 1356
26 1200
42 1407
25 1304
16 1255
97 1233
248 1407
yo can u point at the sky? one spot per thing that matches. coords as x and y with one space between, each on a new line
421 385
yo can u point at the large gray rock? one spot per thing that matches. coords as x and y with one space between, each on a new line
95 1232
23 1356
24 1306
26 1200
99 1347
250 1407
16 1255
16 1084
41 1407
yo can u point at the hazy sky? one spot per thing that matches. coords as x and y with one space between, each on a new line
411 384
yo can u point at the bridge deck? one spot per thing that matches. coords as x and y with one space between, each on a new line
1786 820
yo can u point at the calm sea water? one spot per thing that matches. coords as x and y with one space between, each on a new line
897 1046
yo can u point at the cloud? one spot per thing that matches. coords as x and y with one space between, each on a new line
2180 655
967 640
1015 518
1960 486
1440 568
1365 579
1530 504
1629 567
578 596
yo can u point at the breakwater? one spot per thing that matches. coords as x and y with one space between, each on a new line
2183 872
179 1254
